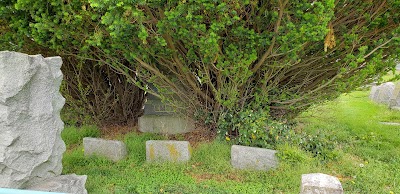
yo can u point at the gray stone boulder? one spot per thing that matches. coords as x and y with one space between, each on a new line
63 184
252 158
382 93
31 147
373 92
111 149
394 100
173 151
318 183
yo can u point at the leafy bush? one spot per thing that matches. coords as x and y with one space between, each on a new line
219 56
319 145
253 128
95 92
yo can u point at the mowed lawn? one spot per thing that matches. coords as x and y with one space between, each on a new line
366 157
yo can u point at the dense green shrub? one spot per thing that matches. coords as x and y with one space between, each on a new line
254 128
219 57
319 145
95 92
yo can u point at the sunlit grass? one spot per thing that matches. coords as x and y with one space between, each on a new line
368 158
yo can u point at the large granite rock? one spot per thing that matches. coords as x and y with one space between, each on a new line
382 93
318 183
111 149
252 158
31 147
173 151
394 100
372 93
63 184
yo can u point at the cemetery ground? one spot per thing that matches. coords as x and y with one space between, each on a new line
363 153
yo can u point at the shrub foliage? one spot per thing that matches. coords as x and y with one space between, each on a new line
219 57
95 91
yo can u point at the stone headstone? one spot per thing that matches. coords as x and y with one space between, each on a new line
111 149
383 93
161 118
173 151
64 184
154 106
394 100
373 92
31 147
318 183
252 158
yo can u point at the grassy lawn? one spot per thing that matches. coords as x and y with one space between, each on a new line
366 157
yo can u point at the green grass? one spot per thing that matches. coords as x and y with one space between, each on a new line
354 120
73 135
368 158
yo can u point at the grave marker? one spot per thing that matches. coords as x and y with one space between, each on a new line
317 183
161 118
252 158
173 151
111 149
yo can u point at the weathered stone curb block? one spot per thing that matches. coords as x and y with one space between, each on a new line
320 183
173 151
64 184
244 157
111 149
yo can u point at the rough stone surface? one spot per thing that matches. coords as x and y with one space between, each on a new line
394 100
173 151
64 184
31 147
165 124
395 108
318 183
161 118
383 93
244 157
111 149
373 92
154 106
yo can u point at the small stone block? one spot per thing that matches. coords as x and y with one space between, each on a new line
64 184
111 149
173 151
252 158
317 183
